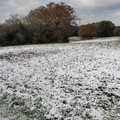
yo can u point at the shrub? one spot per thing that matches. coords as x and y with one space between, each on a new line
87 31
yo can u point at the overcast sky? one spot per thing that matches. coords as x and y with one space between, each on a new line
88 10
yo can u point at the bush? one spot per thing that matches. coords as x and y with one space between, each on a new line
105 29
87 31
3 41
117 31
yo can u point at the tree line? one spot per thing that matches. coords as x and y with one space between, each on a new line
45 24
99 29
49 24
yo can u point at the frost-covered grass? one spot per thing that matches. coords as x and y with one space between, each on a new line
65 82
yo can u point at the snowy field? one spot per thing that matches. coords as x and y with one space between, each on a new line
78 81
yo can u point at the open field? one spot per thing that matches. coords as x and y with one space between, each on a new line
60 82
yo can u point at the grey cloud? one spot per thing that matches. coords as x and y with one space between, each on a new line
88 10
94 4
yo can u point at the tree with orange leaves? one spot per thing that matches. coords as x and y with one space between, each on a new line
53 21
87 31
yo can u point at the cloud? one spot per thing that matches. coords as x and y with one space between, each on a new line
87 10
97 10
94 4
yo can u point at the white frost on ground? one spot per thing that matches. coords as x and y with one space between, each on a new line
64 82
107 39
2 118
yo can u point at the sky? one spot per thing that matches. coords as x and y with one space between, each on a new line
88 10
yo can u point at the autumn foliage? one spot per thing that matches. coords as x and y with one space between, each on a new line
45 24
87 31
53 21
98 29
